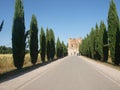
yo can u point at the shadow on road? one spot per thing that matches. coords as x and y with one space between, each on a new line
16 73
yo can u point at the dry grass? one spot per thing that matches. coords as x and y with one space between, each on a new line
6 62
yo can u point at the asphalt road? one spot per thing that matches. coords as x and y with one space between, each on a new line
72 73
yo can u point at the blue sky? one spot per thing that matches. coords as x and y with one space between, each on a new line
68 18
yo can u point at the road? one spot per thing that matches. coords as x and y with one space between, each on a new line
70 73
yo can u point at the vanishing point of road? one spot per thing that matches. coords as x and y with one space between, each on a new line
69 73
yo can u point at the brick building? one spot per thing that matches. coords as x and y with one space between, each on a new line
73 46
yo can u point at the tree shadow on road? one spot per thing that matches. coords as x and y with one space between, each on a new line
16 73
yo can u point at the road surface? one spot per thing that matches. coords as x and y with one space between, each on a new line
70 73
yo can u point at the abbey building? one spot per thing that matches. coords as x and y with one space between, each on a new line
73 46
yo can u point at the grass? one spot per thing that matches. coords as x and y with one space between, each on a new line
6 62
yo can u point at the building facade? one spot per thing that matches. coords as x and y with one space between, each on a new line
73 46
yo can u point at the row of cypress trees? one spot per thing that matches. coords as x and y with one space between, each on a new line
19 42
49 48
102 41
95 45
61 49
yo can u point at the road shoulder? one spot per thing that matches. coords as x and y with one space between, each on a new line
107 71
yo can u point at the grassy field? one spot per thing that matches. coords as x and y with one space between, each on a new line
6 62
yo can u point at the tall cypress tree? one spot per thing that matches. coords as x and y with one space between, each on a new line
105 48
33 39
92 43
65 49
97 56
48 44
52 44
58 48
103 45
88 46
113 33
102 28
64 53
18 35
42 45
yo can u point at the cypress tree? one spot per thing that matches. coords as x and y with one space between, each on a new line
103 45
105 48
18 35
48 44
42 45
88 46
92 43
113 33
81 48
33 40
58 48
64 49
52 44
97 56
61 50
63 45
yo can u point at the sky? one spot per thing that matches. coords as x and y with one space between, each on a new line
67 18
